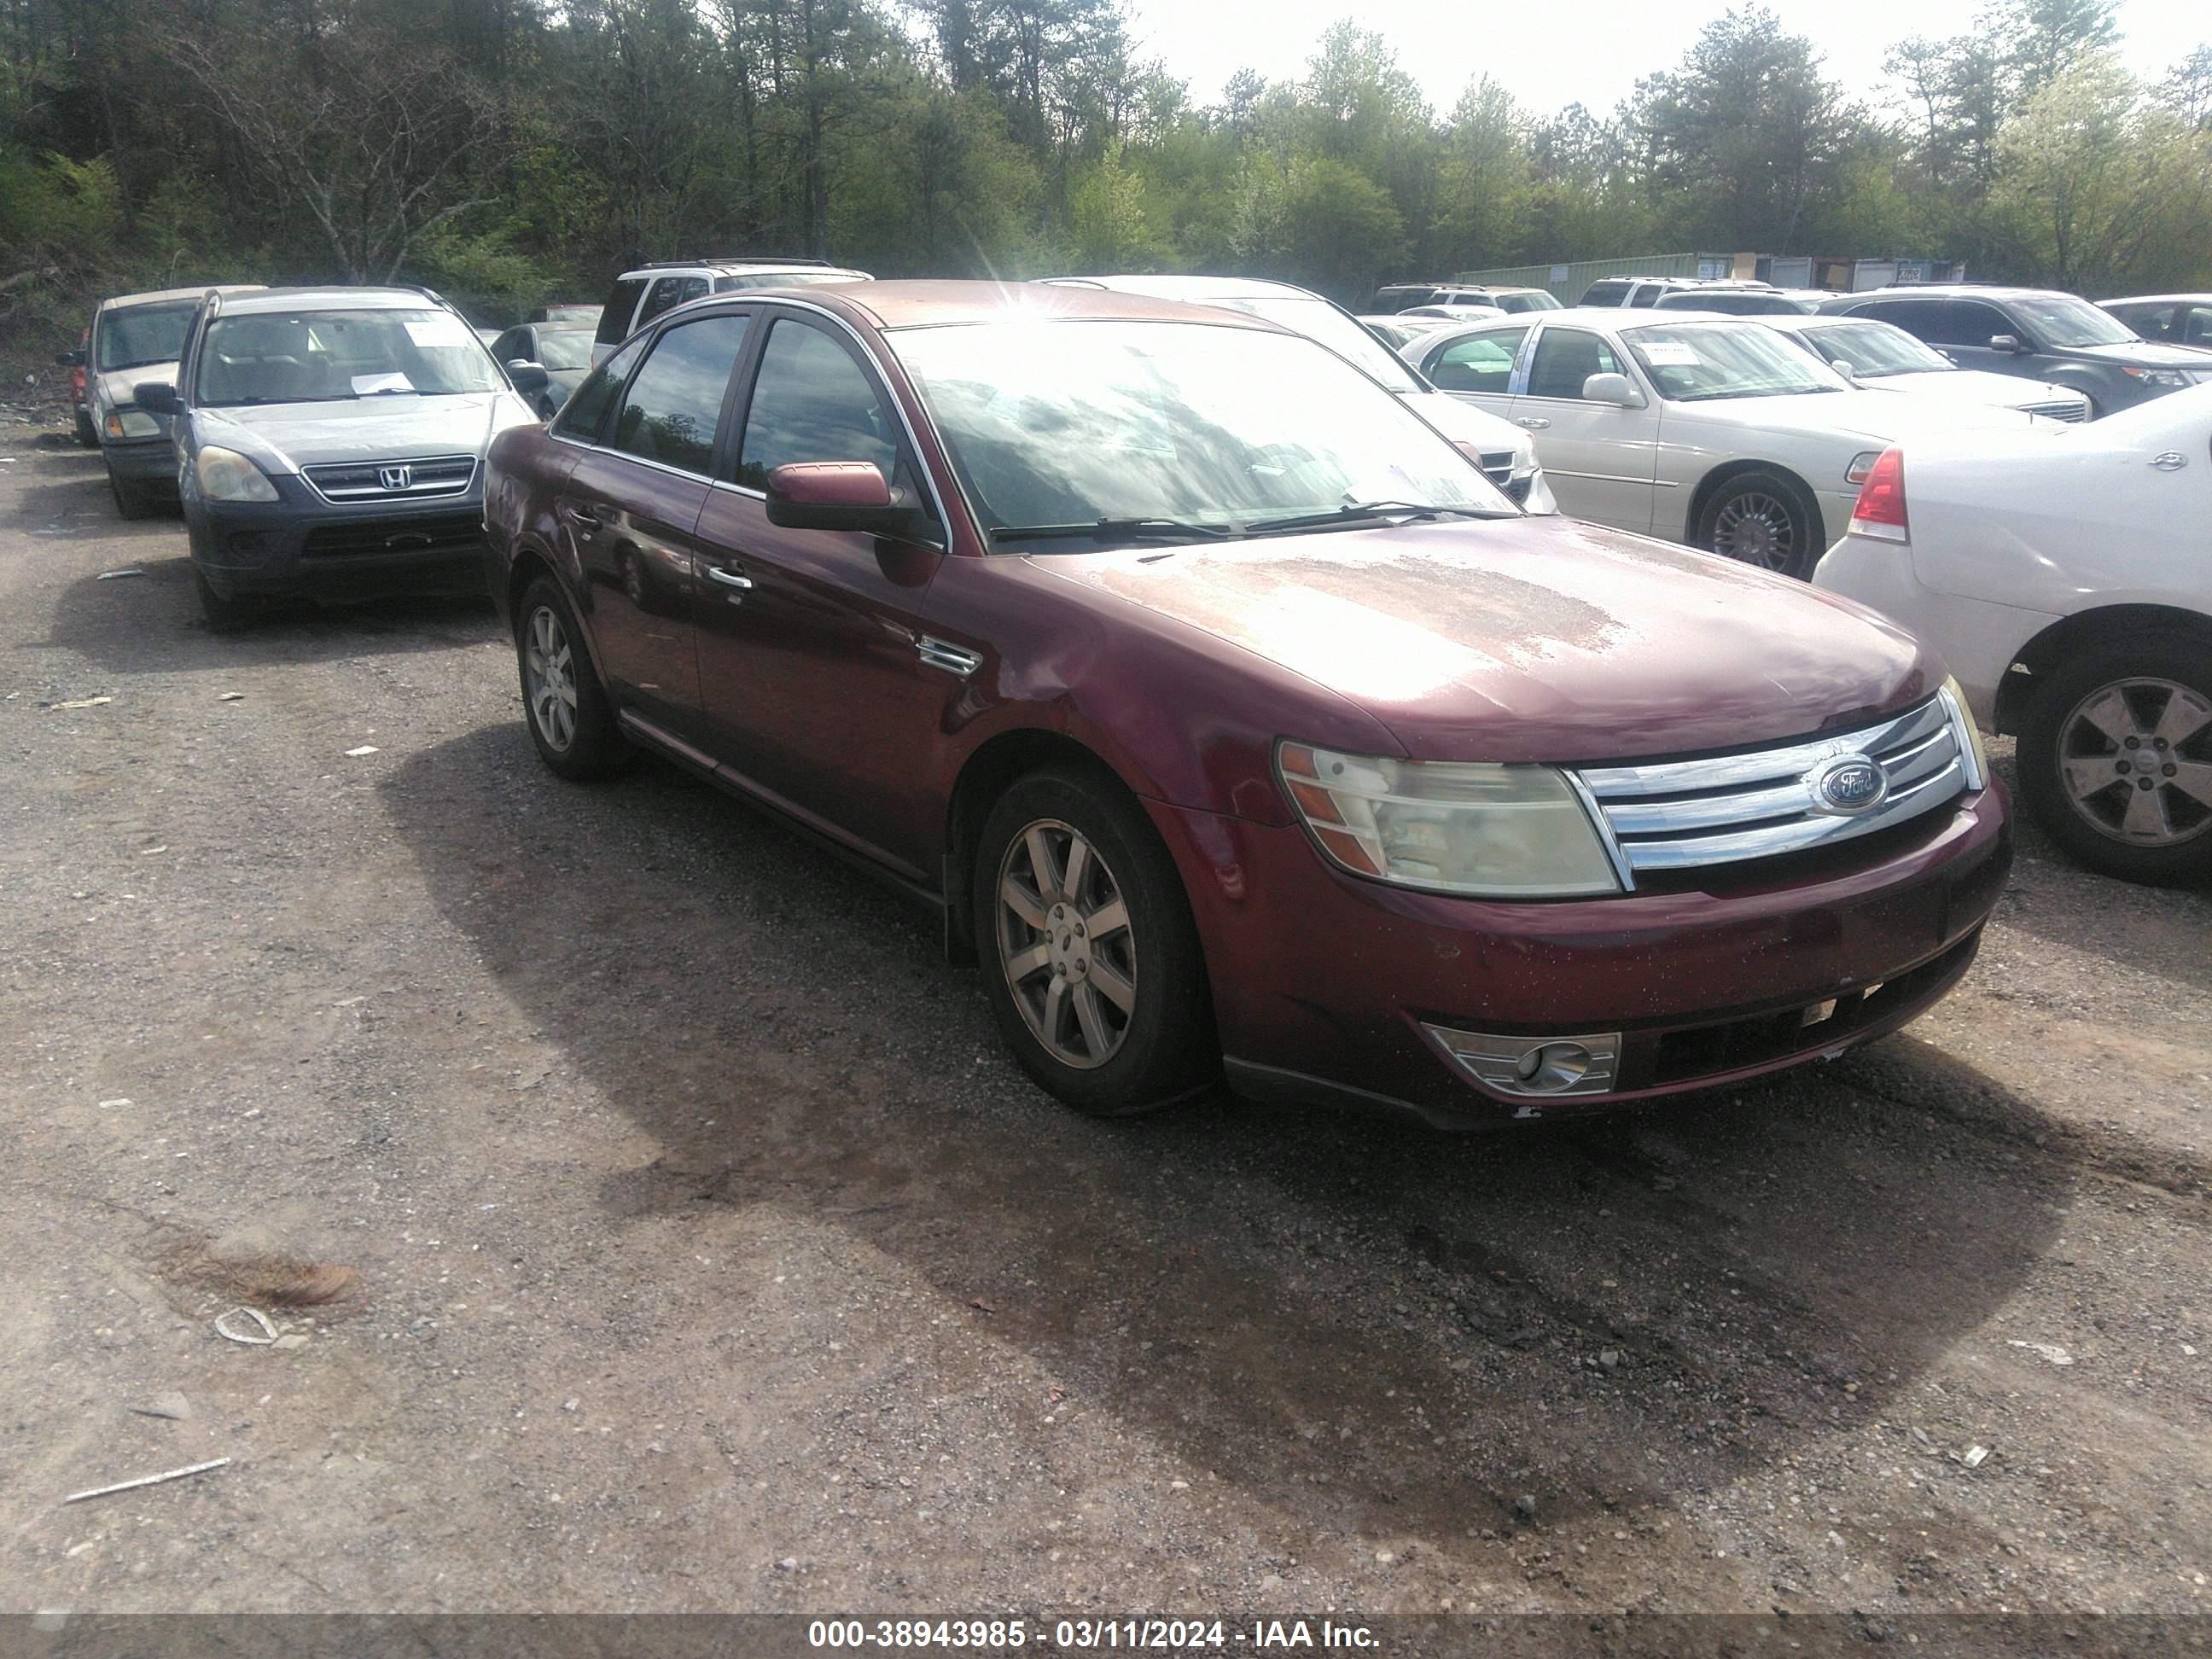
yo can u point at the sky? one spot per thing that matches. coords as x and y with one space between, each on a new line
1590 51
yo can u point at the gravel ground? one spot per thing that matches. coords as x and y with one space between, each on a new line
711 1255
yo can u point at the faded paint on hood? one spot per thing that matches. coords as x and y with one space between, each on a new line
1541 639
2145 353
120 386
285 437
1975 386
1861 411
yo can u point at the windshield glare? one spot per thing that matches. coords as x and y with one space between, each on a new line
1071 422
1875 350
1317 320
144 335
1693 363
2060 319
570 349
322 357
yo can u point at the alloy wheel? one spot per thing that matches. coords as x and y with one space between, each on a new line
549 665
1756 528
2135 757
1065 944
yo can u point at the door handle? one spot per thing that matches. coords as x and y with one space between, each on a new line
1533 422
2169 460
727 578
586 520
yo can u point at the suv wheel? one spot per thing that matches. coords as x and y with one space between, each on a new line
1761 518
88 435
131 500
571 718
225 614
2116 759
1090 956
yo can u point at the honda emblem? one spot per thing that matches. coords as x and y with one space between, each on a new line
395 477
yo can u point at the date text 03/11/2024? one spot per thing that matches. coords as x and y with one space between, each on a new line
1089 1635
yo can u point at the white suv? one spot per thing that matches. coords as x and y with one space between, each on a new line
640 295
2065 577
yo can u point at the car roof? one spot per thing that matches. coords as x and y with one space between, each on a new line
2158 300
118 301
1198 289
1953 291
738 267
939 303
334 298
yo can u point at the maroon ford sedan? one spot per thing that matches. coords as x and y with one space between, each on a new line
1230 716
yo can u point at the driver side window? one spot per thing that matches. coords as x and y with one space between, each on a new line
1566 357
811 402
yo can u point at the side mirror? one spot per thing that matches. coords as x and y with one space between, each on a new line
1843 367
1616 389
2009 343
155 397
69 359
528 377
840 495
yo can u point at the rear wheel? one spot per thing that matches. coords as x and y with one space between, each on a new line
1090 956
571 718
2116 758
1762 519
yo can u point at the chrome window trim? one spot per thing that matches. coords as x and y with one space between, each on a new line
1724 809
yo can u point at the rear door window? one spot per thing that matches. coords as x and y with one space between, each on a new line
668 293
583 414
674 405
1606 292
1647 295
1481 363
622 302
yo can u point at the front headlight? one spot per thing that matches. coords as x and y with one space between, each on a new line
1452 827
132 423
227 476
1973 759
2160 377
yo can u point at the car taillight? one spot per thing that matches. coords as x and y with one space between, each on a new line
1881 510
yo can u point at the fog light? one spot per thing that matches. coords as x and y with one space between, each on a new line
1522 1065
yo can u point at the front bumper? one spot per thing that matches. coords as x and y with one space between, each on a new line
141 460
1323 983
300 545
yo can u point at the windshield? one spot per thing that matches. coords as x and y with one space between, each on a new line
1875 350
324 356
2060 319
1534 300
1696 362
1317 320
144 335
1074 423
569 348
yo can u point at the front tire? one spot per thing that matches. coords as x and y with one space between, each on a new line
88 435
225 614
1762 519
570 716
2116 758
1089 953
132 498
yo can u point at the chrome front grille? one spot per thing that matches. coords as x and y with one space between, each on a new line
413 479
2061 408
1677 815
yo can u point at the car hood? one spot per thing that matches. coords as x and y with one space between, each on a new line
1541 639
119 386
285 437
2145 353
1862 412
1974 386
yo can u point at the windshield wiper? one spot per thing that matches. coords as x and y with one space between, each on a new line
1356 513
1108 530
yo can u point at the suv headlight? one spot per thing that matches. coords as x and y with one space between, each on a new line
132 423
2165 377
227 476
1451 827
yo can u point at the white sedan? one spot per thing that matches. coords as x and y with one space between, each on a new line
1712 430
1883 357
2068 585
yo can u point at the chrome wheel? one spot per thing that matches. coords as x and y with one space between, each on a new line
1758 529
2136 758
550 669
1065 943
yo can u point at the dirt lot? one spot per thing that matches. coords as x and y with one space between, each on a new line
712 1256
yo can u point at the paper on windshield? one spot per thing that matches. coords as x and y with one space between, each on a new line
437 328
1668 354
366 386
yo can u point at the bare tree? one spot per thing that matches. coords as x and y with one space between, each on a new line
374 138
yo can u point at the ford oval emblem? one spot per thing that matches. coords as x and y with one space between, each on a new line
1849 786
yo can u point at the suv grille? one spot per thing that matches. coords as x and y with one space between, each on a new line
365 481
339 541
1674 815
2062 408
